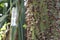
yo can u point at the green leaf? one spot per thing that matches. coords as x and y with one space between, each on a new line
25 26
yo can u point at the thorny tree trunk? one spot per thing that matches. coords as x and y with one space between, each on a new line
29 19
43 17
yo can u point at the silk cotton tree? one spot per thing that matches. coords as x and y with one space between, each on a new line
41 16
36 11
